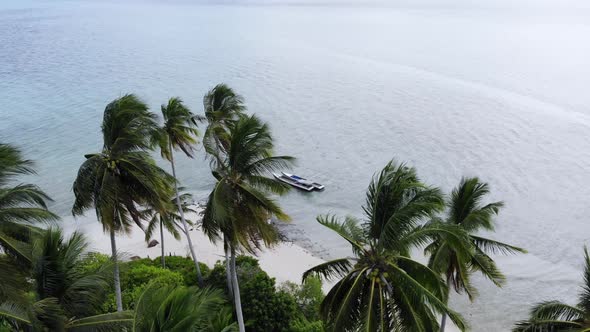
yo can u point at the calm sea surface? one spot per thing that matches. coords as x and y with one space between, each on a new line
501 93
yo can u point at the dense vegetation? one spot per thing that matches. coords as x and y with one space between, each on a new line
51 282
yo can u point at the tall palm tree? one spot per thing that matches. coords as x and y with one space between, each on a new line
168 219
465 209
21 205
223 107
179 132
239 207
381 288
57 288
556 316
123 175
169 309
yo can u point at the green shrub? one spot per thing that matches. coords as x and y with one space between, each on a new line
308 296
93 261
185 266
265 308
306 326
134 279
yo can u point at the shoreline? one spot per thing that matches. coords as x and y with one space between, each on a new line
285 262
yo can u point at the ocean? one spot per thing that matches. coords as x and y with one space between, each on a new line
499 90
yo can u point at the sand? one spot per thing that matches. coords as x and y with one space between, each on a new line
285 262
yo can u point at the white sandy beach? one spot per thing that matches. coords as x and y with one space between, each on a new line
285 262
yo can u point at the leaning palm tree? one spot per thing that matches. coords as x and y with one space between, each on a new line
168 219
556 316
381 288
239 207
168 309
21 205
123 175
223 107
465 209
179 132
57 289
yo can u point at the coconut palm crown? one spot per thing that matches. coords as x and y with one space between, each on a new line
381 288
239 206
222 106
123 175
465 210
556 316
58 289
21 205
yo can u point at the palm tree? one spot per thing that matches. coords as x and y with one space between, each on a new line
21 205
223 107
239 207
556 316
178 132
168 309
122 176
465 209
381 288
168 219
57 288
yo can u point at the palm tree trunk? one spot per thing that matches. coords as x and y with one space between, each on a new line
116 272
443 321
163 259
188 237
237 300
227 268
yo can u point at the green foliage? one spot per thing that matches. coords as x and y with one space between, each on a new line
186 267
303 325
93 261
136 277
266 308
142 275
179 264
308 296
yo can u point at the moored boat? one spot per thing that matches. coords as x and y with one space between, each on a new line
298 182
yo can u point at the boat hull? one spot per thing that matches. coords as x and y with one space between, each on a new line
293 183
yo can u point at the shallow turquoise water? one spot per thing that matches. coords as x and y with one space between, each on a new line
497 92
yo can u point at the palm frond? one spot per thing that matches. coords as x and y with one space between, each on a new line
13 164
349 230
15 312
114 321
584 301
329 270
551 315
495 247
427 294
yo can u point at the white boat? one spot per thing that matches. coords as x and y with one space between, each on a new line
298 182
